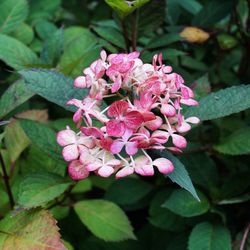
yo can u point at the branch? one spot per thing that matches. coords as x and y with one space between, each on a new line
6 182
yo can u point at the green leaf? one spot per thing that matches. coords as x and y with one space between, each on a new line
238 143
82 186
53 48
222 103
15 140
38 189
45 9
128 191
123 8
24 33
206 236
105 220
205 176
53 86
184 204
180 174
235 200
112 35
42 137
16 54
14 96
79 53
192 6
33 229
202 87
45 28
212 13
13 13
162 217
164 40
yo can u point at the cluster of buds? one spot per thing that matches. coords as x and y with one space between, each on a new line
146 114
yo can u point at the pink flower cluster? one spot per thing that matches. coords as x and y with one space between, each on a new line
146 114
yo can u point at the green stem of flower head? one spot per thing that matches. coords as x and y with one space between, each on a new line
6 182
125 35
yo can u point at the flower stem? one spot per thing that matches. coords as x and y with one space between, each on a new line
6 182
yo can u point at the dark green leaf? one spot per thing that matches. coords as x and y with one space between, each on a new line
53 86
183 203
128 191
222 103
206 236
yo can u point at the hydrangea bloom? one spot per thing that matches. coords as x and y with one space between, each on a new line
146 114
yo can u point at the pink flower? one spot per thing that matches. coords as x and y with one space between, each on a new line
77 171
72 143
130 146
124 119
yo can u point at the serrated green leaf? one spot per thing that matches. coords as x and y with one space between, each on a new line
33 229
206 236
24 33
222 103
212 12
53 86
15 140
112 35
105 220
180 174
38 189
13 13
162 217
42 137
183 203
238 143
128 191
52 48
14 96
123 8
16 54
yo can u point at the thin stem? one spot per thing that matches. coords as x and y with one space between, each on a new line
6 182
134 31
242 244
125 34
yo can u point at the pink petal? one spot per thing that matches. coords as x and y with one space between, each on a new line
77 171
106 171
117 108
70 153
133 119
80 82
160 136
146 170
66 137
154 124
193 120
189 102
114 162
131 148
184 127
115 128
165 166
168 110
179 141
116 85
134 55
77 115
116 146
124 172
93 166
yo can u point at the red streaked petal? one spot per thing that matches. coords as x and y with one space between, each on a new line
77 171
115 128
179 141
117 108
133 119
70 153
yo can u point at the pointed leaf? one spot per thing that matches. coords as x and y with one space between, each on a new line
33 229
53 86
206 236
183 203
13 13
40 188
104 219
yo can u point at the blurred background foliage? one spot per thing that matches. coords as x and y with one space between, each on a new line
207 42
